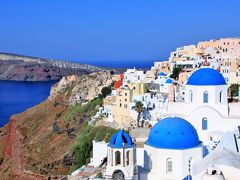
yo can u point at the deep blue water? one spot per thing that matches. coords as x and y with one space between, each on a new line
16 97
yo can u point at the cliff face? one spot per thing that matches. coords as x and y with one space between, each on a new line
78 86
24 68
35 144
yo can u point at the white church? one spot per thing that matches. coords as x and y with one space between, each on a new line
206 104
169 152
172 151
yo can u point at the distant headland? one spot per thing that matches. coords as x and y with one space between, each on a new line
26 68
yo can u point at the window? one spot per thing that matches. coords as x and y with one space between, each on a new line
204 123
191 96
205 97
120 104
112 157
123 160
117 158
169 165
190 163
220 97
128 157
125 94
125 106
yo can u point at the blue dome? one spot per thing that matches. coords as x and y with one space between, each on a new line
173 133
162 74
206 77
120 140
169 81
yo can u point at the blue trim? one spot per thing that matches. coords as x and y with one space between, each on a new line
189 177
199 145
124 146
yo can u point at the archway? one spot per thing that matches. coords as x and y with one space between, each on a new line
118 175
169 165
117 158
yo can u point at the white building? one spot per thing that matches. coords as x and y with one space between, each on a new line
225 70
133 75
220 165
171 149
161 78
98 156
154 105
206 106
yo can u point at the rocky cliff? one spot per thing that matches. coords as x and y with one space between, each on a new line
25 68
36 143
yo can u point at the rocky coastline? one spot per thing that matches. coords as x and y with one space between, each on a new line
35 144
25 68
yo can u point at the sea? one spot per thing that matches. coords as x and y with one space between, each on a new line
18 96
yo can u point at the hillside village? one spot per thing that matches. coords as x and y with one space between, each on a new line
199 85
165 82
180 119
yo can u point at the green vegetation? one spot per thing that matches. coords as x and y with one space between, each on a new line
233 90
106 91
82 148
69 89
175 73
89 109
139 108
112 72
99 175
55 103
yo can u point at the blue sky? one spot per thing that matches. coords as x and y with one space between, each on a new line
113 32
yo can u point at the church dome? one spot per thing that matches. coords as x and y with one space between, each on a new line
173 133
206 77
169 81
161 74
120 140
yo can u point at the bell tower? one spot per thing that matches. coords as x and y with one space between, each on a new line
121 157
